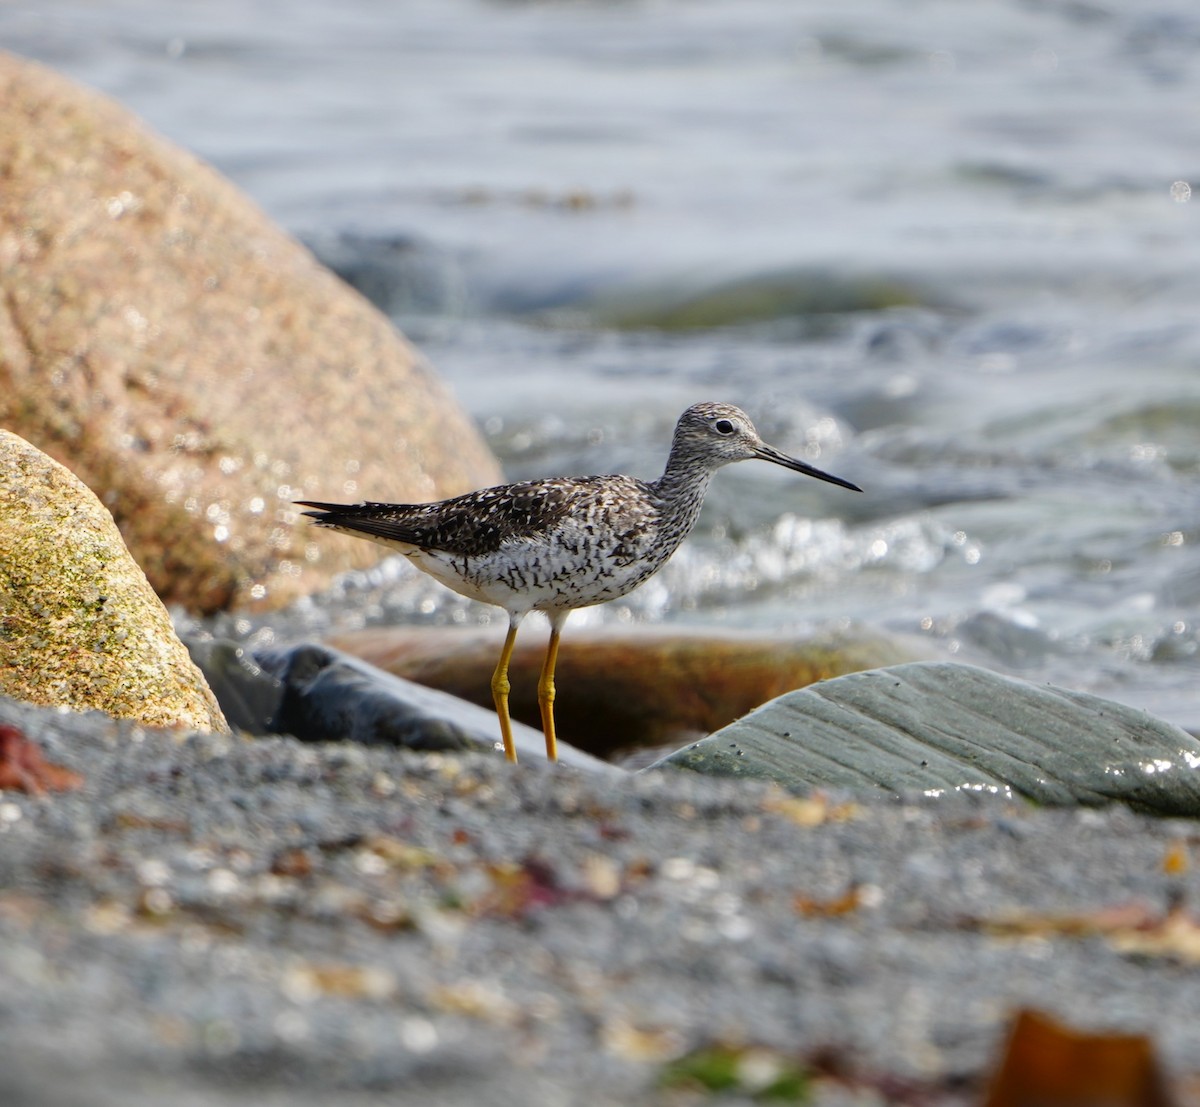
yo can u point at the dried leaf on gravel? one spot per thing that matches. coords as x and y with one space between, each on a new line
386 914
1176 860
1134 928
477 1000
1081 924
520 888
401 855
294 862
1049 1063
132 820
814 810
24 769
303 983
601 876
630 1042
1175 935
844 904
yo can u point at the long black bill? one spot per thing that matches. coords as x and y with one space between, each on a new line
769 453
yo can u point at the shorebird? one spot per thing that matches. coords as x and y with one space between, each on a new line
560 543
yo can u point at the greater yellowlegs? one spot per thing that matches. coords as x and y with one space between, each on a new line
560 543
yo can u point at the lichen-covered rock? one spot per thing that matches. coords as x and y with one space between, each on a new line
192 364
80 626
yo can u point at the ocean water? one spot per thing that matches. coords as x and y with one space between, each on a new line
948 251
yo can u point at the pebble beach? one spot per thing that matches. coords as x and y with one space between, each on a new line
221 921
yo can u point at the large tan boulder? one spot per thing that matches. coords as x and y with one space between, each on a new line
80 626
193 364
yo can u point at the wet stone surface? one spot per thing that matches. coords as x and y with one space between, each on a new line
937 727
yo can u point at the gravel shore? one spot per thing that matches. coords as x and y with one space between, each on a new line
212 920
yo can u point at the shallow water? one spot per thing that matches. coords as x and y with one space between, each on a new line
947 251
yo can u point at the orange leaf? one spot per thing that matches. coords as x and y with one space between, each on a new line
1054 1065
850 900
24 769
1175 860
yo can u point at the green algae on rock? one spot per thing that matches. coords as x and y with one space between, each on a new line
80 626
796 294
938 727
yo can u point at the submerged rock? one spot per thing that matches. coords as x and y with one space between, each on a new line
193 364
936 727
249 696
80 626
623 689
756 298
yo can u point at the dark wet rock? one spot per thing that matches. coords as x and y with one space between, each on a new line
249 696
330 698
80 626
317 694
626 688
193 364
938 727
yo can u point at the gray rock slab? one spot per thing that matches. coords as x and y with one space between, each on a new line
249 696
937 727
326 695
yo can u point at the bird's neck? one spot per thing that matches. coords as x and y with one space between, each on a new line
681 490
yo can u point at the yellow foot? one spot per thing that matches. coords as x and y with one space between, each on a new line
546 692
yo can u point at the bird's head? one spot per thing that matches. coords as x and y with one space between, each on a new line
716 434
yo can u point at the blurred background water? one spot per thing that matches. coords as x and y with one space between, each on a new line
945 250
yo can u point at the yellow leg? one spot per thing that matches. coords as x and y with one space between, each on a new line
501 687
546 687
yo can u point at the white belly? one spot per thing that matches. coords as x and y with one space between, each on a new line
568 571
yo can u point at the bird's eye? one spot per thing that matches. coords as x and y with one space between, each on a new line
723 426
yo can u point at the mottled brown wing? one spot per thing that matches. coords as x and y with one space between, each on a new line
472 524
